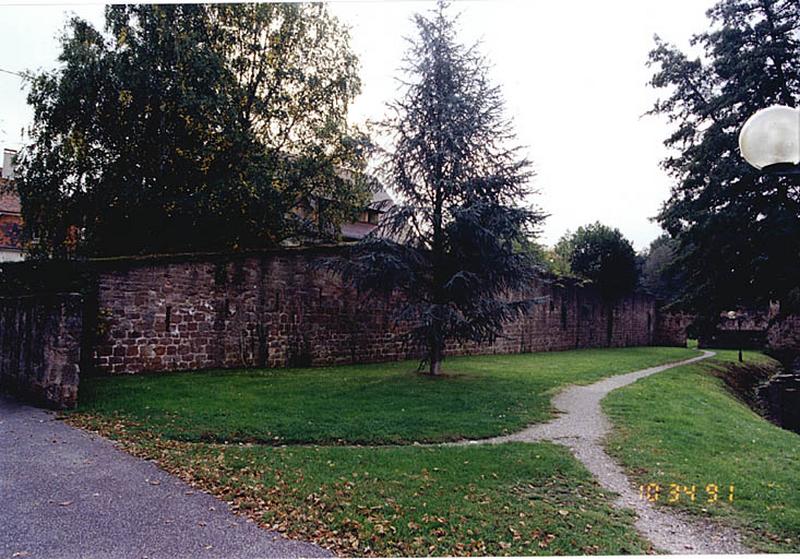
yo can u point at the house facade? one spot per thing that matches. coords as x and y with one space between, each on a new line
365 223
10 213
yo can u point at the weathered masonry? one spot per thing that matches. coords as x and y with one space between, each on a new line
277 309
40 347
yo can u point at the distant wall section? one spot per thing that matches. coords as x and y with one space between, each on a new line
671 329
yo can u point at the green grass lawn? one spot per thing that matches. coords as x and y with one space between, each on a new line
511 499
479 397
683 426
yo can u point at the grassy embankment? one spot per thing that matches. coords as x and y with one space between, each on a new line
685 427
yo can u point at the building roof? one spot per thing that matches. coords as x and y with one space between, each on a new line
357 230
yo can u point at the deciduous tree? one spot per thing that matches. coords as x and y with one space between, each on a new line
604 256
659 276
190 127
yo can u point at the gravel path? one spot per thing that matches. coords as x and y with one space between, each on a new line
67 493
582 428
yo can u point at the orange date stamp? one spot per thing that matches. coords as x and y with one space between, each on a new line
675 492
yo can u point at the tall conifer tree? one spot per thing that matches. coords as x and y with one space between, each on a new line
449 243
739 230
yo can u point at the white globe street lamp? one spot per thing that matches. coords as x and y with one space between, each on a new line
770 140
733 315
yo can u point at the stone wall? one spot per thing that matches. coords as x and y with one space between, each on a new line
758 329
276 309
671 329
40 347
783 334
752 320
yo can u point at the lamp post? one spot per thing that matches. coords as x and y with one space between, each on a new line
770 142
733 315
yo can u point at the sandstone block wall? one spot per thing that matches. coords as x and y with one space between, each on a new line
277 309
671 328
40 347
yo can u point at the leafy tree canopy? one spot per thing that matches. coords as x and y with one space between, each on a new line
561 254
659 276
191 127
538 253
738 229
452 241
602 255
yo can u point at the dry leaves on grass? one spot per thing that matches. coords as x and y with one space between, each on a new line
324 517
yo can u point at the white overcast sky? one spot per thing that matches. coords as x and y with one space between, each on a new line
573 75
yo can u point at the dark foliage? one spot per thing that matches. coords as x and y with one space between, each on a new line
190 127
451 242
35 277
601 254
659 276
738 229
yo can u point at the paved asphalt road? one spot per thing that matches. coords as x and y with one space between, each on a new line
65 493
